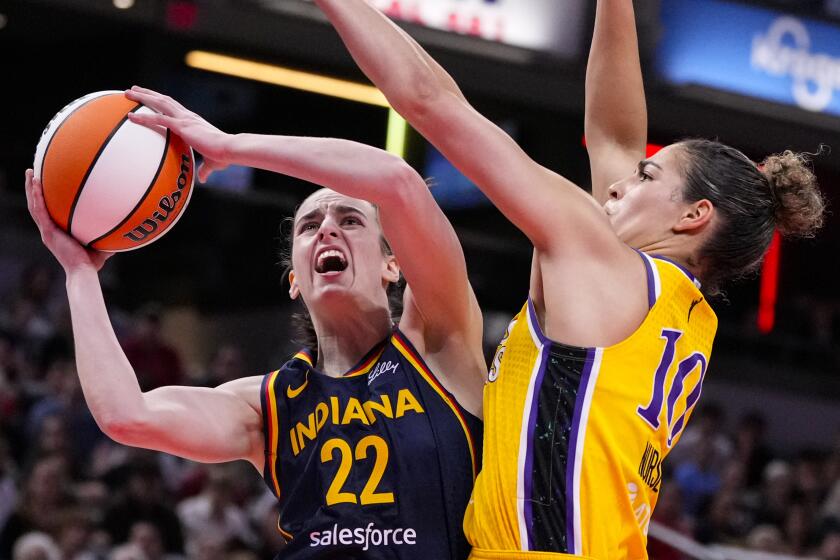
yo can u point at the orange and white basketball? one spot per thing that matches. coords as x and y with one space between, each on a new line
112 184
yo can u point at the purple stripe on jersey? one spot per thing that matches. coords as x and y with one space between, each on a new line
571 457
651 281
529 452
535 324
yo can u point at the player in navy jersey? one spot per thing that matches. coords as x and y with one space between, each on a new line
370 439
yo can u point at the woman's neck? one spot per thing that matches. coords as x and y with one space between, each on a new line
345 337
677 253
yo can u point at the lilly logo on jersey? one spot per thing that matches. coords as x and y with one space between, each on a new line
340 413
382 367
367 536
774 54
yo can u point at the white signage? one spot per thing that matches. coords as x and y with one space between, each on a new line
785 51
544 25
547 25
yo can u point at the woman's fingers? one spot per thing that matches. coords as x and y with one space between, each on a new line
28 188
207 167
153 119
34 199
157 101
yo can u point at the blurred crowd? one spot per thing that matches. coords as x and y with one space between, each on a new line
69 493
726 485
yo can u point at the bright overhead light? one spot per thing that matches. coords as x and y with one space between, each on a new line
123 4
285 77
397 135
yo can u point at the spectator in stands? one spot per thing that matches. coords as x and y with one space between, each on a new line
831 506
45 495
155 360
10 372
73 536
142 500
29 315
669 513
146 537
798 528
226 365
707 428
696 477
213 517
8 488
61 406
830 546
36 546
723 520
266 522
750 447
52 439
777 493
766 538
809 476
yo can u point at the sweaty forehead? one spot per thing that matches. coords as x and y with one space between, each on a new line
326 200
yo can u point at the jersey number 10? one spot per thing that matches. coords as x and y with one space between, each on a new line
652 412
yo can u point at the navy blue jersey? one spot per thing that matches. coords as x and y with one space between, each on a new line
378 463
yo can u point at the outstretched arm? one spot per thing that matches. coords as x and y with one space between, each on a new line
423 240
209 425
616 113
531 196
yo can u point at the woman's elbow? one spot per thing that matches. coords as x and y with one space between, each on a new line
415 99
127 429
402 183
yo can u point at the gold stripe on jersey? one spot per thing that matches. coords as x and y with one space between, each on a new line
366 365
286 535
421 368
361 369
274 428
632 402
304 356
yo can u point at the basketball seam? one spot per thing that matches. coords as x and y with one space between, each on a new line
142 198
93 164
52 137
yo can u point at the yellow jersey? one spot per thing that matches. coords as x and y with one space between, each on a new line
574 438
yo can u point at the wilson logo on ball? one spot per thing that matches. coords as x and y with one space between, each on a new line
166 206
112 184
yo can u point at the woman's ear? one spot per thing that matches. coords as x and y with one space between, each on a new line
294 291
695 217
391 274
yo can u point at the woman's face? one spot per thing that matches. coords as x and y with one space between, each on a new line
644 207
337 250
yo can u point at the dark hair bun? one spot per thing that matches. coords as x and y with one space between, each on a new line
800 206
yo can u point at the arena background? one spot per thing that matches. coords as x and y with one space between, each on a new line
207 302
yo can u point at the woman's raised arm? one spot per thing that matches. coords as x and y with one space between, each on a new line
616 112
549 209
424 242
208 425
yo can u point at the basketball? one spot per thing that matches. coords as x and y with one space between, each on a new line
112 184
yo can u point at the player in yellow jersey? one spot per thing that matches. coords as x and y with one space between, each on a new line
576 431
